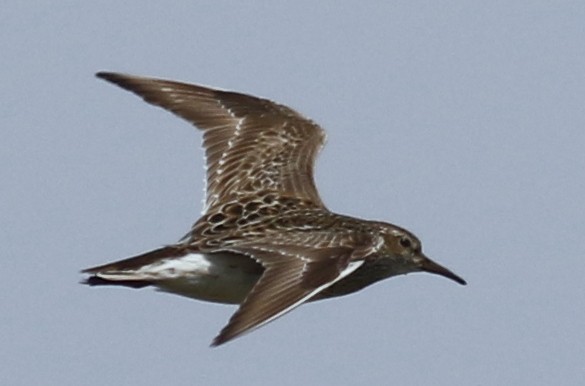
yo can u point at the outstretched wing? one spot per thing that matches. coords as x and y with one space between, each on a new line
292 276
251 144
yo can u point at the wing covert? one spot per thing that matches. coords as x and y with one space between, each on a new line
251 144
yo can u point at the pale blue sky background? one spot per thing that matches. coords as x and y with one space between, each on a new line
462 121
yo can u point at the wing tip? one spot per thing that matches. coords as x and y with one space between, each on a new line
217 341
122 80
227 334
107 75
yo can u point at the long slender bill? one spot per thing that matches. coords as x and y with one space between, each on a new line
430 266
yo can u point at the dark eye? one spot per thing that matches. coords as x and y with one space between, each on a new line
405 242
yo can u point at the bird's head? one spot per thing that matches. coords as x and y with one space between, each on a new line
404 248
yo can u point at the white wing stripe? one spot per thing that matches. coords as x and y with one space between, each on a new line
347 271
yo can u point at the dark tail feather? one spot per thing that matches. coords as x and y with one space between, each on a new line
131 264
98 281
136 262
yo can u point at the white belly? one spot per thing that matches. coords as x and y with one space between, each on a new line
222 278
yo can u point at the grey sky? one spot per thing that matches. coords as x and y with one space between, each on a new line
461 121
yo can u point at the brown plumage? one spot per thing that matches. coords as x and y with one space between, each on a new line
265 240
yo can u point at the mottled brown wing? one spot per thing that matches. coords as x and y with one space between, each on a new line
251 144
292 276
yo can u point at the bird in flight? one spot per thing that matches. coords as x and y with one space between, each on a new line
265 239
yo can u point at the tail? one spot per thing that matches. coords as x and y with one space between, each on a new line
129 272
93 281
